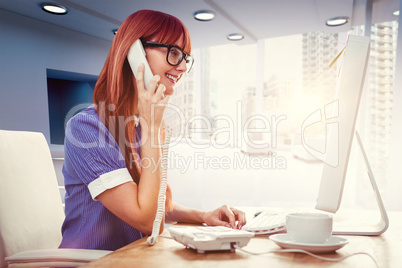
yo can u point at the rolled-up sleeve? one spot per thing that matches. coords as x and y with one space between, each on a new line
94 154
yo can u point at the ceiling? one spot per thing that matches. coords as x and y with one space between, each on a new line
256 19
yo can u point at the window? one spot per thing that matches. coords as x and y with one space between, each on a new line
297 81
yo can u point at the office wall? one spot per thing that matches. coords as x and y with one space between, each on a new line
27 48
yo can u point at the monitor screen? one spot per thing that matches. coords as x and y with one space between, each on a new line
345 108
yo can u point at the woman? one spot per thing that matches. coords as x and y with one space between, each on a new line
111 176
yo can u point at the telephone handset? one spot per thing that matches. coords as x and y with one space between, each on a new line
136 56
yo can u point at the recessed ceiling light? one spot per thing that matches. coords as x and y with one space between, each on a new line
337 21
54 8
396 13
204 15
235 37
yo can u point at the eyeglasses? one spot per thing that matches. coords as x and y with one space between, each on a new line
174 54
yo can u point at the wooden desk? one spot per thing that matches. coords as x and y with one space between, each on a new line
386 249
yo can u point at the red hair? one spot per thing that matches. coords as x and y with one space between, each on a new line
115 95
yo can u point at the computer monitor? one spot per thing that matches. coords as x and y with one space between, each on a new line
340 138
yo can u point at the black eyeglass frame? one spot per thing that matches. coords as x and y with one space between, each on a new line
185 55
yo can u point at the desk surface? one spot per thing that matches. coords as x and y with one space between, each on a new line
386 249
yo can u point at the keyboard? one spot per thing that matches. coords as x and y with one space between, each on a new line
267 222
210 238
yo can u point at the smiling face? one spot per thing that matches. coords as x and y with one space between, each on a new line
169 75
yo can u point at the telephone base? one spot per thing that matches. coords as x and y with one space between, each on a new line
207 238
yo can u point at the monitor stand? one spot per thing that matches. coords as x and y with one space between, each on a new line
382 225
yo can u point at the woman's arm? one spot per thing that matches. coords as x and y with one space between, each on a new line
137 204
123 201
223 216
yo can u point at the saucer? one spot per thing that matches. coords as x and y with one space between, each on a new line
334 243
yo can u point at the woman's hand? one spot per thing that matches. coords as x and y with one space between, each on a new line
225 216
151 102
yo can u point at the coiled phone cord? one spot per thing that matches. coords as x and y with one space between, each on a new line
162 189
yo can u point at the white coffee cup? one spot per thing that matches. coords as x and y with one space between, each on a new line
309 227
